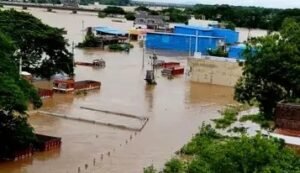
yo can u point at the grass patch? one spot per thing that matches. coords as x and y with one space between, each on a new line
242 130
229 116
258 119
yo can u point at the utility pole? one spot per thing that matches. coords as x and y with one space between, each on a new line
20 65
190 46
82 25
143 62
73 57
196 44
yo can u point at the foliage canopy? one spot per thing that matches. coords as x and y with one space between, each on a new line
41 47
210 152
272 69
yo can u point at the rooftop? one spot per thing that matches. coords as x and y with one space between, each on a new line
184 35
195 27
109 30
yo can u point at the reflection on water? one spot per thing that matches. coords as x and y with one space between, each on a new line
175 109
149 89
208 93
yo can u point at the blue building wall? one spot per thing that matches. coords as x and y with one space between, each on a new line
180 42
230 36
236 51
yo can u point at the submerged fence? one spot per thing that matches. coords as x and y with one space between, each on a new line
123 127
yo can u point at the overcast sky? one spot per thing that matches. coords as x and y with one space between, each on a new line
261 3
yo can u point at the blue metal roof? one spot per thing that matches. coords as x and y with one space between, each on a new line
109 30
184 35
194 27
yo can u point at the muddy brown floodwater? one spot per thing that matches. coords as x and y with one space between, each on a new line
176 108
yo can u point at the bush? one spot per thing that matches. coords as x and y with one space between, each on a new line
120 47
150 169
142 8
215 153
90 40
259 119
113 10
229 115
101 14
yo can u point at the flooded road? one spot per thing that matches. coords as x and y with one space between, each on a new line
176 108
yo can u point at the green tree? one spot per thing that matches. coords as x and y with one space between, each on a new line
271 70
174 166
113 10
230 25
150 169
210 152
15 132
15 94
130 16
176 15
90 39
41 47
142 8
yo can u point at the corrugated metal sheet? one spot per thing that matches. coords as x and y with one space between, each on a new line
109 30
192 30
180 42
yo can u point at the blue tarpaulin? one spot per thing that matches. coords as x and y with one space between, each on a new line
110 31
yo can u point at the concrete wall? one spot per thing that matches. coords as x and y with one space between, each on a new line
215 72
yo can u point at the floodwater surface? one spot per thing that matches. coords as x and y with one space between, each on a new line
176 108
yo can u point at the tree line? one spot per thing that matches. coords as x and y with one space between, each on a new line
248 17
240 16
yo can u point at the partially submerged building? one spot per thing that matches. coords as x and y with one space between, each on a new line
108 35
108 31
191 39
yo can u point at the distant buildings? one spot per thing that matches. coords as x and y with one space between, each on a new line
147 21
